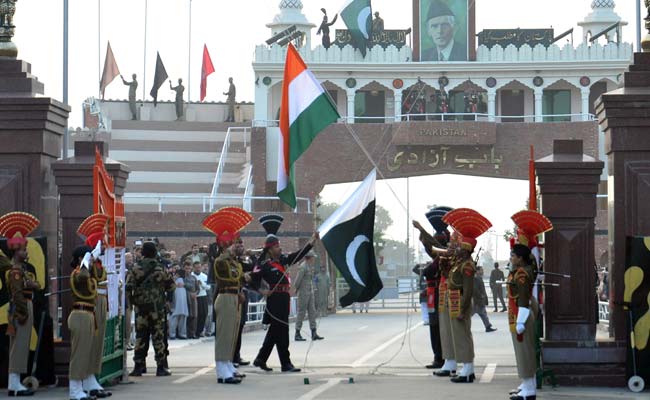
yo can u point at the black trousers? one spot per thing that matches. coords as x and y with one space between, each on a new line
434 336
201 314
498 292
242 321
277 315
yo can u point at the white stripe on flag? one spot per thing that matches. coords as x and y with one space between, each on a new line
303 90
283 174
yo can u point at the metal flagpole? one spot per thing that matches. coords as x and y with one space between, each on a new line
65 73
99 44
408 225
144 63
638 25
189 60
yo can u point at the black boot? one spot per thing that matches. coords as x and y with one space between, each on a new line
298 337
138 369
314 335
161 370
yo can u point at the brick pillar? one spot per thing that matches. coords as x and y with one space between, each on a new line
623 116
568 182
74 178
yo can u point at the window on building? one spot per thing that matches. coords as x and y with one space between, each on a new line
512 105
557 102
369 106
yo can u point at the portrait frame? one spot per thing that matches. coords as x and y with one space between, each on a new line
422 45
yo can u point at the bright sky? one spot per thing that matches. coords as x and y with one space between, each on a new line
231 29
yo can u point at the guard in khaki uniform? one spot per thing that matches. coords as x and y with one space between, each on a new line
523 308
16 226
93 230
81 323
470 225
304 286
229 277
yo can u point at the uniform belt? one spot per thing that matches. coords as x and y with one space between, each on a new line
282 288
102 292
84 307
28 295
229 291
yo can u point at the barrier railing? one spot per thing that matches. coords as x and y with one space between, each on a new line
207 202
223 158
603 312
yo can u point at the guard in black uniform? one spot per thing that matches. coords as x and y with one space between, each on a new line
273 268
248 263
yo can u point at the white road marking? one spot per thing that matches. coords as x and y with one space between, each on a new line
488 373
319 390
383 347
362 328
198 373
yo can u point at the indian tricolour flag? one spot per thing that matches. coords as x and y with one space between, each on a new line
305 111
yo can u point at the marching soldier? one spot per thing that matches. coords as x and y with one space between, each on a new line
82 323
16 226
306 302
146 285
93 230
229 276
523 308
273 270
470 225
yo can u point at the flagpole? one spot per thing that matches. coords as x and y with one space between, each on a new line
408 225
189 59
66 132
99 42
144 63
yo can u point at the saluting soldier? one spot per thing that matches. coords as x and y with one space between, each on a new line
304 286
93 230
146 285
273 270
229 277
81 323
16 226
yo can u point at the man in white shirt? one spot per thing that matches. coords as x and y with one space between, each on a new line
202 298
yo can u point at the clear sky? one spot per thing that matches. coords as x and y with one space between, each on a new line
231 29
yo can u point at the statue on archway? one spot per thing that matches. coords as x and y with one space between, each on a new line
325 29
7 11
133 86
180 89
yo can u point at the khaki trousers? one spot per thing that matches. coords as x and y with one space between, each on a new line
82 332
448 352
226 309
19 344
97 351
525 350
461 332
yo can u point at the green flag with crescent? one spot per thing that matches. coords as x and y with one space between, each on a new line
357 15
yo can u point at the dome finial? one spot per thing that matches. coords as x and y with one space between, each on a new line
603 4
297 4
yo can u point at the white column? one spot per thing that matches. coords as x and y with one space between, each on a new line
585 103
492 105
351 93
398 105
539 93
261 103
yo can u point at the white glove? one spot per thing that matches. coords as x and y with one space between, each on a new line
97 251
85 262
522 316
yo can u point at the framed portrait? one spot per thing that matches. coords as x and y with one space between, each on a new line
444 30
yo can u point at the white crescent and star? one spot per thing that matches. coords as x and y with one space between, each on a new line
350 255
362 19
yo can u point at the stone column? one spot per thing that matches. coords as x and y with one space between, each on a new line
539 95
261 111
492 105
350 115
568 182
584 92
74 178
623 116
398 105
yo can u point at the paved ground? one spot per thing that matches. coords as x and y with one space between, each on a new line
356 346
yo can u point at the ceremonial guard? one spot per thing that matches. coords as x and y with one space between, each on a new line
16 226
437 273
272 269
229 277
470 225
82 323
523 308
93 230
247 261
146 285
304 286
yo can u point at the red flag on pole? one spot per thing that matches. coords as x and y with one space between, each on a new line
206 69
110 70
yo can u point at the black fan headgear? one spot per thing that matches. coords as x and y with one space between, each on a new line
271 224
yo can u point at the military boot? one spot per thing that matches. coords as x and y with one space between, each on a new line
298 337
162 371
138 369
314 335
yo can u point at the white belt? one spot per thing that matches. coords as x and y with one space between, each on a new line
102 291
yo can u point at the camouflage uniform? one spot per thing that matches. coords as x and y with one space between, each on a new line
146 285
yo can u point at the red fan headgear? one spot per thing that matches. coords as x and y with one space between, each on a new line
530 224
93 229
469 224
16 226
226 223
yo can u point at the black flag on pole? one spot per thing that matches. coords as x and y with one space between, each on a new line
158 79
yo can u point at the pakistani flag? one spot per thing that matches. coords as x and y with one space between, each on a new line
348 237
357 15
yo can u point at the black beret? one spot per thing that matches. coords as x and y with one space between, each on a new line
439 9
149 250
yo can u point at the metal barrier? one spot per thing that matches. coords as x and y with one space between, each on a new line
603 312
256 311
207 201
223 157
